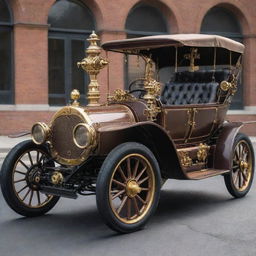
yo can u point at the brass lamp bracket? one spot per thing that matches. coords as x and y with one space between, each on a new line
92 64
152 88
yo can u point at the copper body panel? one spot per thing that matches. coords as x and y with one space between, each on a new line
192 123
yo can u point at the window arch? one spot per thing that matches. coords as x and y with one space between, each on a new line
6 53
71 23
221 21
142 20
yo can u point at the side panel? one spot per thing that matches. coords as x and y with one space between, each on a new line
223 151
151 135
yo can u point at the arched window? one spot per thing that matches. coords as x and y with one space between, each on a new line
71 23
221 21
6 83
143 20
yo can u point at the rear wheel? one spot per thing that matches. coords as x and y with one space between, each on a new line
21 171
239 180
128 187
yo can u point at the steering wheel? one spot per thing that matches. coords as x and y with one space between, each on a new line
137 84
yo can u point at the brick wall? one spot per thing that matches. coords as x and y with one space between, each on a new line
31 48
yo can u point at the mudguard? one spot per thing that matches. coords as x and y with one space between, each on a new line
224 146
151 135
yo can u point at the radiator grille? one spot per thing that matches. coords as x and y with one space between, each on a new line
62 136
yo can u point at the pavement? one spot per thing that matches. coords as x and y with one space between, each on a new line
194 218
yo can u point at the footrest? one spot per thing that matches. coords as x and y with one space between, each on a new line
205 173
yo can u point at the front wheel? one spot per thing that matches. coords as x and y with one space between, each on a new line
20 184
239 180
128 187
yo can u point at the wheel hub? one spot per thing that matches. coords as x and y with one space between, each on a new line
243 165
33 177
132 188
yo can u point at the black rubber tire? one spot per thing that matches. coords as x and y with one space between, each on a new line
228 177
7 183
103 182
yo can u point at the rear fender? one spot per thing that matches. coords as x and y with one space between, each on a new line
224 146
149 134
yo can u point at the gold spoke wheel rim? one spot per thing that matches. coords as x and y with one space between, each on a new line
132 188
28 194
242 166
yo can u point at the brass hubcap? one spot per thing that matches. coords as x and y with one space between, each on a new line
242 166
26 178
132 188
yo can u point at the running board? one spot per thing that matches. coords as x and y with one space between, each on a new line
59 192
205 173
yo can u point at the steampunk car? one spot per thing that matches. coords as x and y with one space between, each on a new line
123 150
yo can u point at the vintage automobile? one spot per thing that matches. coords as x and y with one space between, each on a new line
123 150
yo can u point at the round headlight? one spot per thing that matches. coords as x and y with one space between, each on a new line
82 135
39 132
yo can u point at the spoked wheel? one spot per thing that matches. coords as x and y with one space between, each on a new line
128 187
239 180
21 172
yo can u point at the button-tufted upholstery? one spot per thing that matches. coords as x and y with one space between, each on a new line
193 87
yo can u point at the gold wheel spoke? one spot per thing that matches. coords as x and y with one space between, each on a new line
122 204
20 180
23 164
23 173
244 176
117 194
136 205
26 195
122 173
140 199
119 183
129 173
237 153
31 197
128 208
30 158
142 171
144 189
142 181
236 178
136 168
38 197
240 179
22 189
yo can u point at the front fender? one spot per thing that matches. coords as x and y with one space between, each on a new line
149 134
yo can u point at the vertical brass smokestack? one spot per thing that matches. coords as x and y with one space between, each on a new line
92 64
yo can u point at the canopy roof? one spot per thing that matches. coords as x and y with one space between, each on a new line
191 40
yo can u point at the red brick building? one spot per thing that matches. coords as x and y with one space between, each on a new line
41 41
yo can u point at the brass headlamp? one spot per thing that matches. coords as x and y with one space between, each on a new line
40 133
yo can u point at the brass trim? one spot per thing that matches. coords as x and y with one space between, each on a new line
92 64
121 96
75 96
202 152
192 56
185 159
153 89
81 113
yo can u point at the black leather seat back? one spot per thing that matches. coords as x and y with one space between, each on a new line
193 87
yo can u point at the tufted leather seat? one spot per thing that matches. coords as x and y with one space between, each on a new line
193 87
